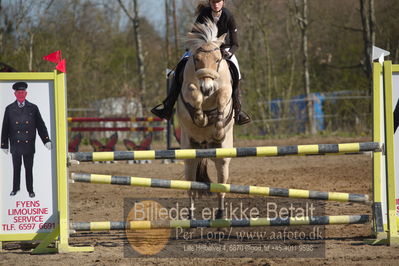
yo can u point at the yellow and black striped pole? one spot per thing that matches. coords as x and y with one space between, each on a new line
317 149
219 223
215 187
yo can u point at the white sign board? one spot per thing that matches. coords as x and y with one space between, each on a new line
24 213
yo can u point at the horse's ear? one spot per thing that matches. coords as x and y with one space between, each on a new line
221 39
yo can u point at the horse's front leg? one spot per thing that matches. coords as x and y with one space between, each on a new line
200 119
222 101
222 168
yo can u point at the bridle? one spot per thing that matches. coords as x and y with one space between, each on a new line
202 50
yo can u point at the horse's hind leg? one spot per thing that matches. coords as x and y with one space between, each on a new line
222 168
190 168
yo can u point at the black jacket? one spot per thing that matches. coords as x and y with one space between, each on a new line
226 24
19 127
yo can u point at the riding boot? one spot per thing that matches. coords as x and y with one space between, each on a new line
167 110
240 117
174 91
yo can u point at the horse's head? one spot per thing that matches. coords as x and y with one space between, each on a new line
206 62
205 48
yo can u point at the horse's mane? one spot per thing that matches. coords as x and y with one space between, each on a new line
201 33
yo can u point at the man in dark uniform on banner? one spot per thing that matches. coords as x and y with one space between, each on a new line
21 120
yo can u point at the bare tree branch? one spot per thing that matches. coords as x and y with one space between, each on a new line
139 50
132 18
49 5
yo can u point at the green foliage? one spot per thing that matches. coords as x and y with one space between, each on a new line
97 40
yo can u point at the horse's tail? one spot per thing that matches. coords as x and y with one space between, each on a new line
202 176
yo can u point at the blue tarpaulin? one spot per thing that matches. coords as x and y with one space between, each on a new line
298 113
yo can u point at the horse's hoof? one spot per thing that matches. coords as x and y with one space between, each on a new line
218 141
201 122
219 125
219 137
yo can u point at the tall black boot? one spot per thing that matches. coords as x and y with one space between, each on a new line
166 111
174 91
240 118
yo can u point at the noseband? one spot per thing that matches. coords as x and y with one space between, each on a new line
202 50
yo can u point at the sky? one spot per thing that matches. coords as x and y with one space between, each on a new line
154 11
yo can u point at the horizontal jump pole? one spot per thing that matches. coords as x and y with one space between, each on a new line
215 187
115 119
316 149
131 129
219 223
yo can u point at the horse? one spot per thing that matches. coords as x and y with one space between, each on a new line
204 107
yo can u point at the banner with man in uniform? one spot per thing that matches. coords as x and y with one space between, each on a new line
18 135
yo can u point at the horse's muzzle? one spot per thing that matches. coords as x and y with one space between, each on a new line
205 92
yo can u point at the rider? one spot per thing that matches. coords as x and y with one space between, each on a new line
215 11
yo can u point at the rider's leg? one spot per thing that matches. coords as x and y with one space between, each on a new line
241 117
174 91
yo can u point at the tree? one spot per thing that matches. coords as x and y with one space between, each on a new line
139 56
167 23
175 30
368 21
302 17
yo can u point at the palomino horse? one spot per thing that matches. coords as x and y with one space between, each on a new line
204 107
